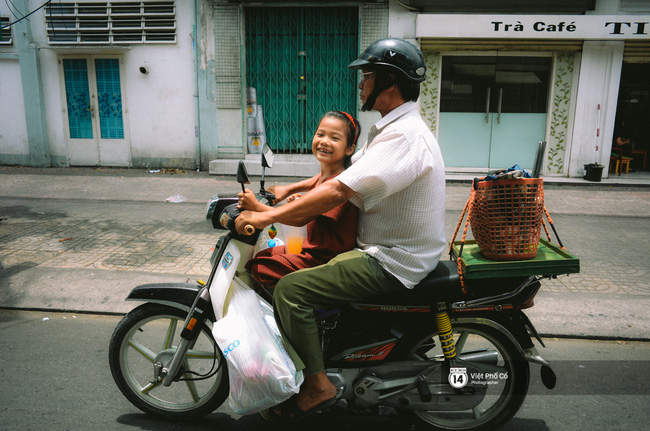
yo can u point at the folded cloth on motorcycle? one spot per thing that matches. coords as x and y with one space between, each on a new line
261 373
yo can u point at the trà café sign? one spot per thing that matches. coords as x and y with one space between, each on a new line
584 27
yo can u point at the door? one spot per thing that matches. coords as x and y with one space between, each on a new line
493 110
93 96
296 59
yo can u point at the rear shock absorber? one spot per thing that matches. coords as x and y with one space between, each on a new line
445 334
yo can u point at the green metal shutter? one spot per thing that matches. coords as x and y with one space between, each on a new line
296 59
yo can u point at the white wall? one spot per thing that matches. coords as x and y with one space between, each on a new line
13 131
600 74
159 107
160 103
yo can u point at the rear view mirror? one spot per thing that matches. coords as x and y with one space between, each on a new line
267 156
242 174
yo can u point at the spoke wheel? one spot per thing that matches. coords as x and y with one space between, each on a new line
504 396
149 334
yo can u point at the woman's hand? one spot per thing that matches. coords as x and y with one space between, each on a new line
248 201
293 197
280 192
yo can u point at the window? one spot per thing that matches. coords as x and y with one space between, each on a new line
5 36
112 23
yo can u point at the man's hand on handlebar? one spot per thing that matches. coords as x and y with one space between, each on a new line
247 218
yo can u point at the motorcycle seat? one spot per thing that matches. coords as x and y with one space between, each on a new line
442 284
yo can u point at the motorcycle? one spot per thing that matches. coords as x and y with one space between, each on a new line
444 358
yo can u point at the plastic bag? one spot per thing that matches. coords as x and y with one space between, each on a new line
260 371
176 199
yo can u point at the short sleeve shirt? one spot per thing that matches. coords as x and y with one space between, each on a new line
399 183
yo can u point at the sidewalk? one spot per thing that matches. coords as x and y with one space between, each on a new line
79 239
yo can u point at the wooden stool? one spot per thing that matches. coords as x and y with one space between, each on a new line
644 154
618 161
622 163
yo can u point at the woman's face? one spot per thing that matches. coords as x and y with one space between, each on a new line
330 145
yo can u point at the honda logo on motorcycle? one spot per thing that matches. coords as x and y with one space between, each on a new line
457 377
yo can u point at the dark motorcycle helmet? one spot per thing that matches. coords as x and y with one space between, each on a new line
396 54
403 59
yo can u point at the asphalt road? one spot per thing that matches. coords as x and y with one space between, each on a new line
54 376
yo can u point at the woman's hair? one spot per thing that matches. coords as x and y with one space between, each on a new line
352 134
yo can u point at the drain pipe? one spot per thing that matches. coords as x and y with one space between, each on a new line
196 49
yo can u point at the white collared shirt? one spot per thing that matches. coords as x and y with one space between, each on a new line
399 183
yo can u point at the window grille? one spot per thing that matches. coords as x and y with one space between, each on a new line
111 23
634 6
5 36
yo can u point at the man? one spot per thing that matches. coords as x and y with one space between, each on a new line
397 181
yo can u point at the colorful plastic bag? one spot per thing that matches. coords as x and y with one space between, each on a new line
260 371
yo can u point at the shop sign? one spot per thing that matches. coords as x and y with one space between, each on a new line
584 27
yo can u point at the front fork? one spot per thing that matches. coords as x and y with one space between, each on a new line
225 258
191 330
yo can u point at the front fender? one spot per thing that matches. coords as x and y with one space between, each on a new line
177 295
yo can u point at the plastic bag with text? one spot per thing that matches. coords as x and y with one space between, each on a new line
260 371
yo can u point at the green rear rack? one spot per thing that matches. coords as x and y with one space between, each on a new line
550 260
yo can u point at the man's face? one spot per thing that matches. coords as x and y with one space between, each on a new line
366 84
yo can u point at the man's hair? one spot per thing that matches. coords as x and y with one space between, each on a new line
409 90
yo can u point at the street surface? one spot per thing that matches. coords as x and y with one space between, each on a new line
80 239
54 376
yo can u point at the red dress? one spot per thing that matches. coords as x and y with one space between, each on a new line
330 234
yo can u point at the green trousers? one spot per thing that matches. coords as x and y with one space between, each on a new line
348 277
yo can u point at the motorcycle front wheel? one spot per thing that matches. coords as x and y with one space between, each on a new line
505 392
149 334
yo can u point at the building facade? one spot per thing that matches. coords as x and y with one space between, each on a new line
100 83
199 84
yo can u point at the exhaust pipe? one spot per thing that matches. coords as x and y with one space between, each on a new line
488 357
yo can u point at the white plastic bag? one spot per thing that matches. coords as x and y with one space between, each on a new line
261 373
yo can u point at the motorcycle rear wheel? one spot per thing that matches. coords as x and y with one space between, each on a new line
504 397
150 333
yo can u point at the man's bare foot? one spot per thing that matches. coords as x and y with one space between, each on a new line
316 389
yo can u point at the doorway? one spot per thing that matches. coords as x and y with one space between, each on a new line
95 119
633 114
493 110
296 59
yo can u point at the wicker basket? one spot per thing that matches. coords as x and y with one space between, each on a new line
506 218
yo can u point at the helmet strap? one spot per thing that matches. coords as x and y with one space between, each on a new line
370 101
376 91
